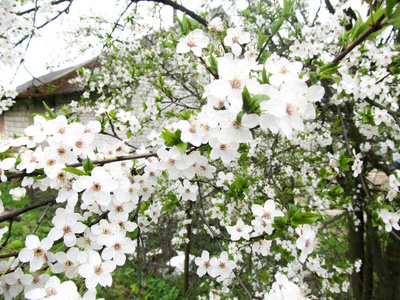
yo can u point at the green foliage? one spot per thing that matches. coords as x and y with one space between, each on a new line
250 104
174 139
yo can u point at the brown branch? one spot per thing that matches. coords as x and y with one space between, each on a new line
22 210
375 27
180 8
21 13
264 46
204 64
47 22
79 164
118 158
9 255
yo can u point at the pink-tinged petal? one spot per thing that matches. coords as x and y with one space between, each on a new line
32 241
55 234
220 88
109 266
182 47
119 258
205 256
34 294
36 263
201 271
70 239
47 243
224 256
25 255
92 281
78 227
105 279
86 270
315 93
297 122
196 50
236 49
108 253
94 258
257 210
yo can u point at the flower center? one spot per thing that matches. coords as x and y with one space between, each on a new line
38 252
98 270
66 229
96 187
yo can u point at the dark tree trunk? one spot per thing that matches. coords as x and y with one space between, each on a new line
356 251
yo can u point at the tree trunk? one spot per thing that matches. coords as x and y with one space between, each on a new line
356 251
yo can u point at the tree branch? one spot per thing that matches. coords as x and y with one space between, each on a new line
375 27
25 209
180 8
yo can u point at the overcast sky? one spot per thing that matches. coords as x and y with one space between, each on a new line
50 48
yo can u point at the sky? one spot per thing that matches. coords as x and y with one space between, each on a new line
49 49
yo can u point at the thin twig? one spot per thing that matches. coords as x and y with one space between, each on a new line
42 217
9 233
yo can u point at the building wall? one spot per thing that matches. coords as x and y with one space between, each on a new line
20 116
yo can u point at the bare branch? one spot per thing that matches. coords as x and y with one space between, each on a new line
180 8
22 210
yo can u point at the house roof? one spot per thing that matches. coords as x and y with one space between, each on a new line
54 83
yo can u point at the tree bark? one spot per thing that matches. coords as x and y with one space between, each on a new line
356 251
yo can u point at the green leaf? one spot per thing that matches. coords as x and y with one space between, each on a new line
144 207
389 7
261 40
185 115
129 134
171 138
171 196
264 276
395 18
87 165
337 190
314 77
205 148
280 222
74 171
49 111
182 146
292 210
323 172
257 99
240 116
169 205
246 99
265 78
213 63
306 218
